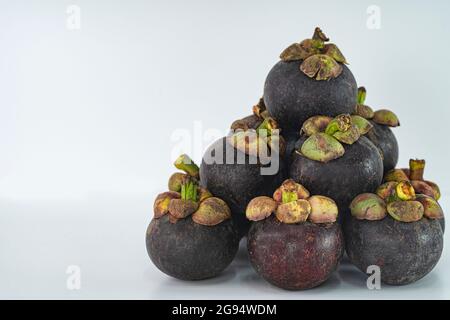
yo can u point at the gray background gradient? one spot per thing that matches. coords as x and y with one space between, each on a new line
87 120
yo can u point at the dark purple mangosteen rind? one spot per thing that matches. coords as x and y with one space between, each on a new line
359 170
189 251
291 97
404 251
294 256
384 139
237 184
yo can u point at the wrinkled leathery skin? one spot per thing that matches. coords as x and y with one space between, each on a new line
384 139
291 97
358 171
237 184
294 256
190 251
405 252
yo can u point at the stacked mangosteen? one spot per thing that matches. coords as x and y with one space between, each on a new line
310 172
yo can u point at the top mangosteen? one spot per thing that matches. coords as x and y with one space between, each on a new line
191 236
310 79
381 135
301 244
245 164
323 165
406 244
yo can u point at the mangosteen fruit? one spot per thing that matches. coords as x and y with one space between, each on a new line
294 241
381 134
424 189
400 234
310 79
245 164
333 158
191 236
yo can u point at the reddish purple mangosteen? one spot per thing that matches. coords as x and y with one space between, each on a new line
294 240
397 229
191 236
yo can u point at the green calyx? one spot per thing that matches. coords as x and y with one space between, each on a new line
321 67
368 206
322 147
386 117
362 124
415 176
361 98
382 117
326 135
341 123
269 124
185 163
257 142
189 189
288 196
321 60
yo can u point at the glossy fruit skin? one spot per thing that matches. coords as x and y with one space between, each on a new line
358 171
291 97
405 252
237 183
189 251
384 139
294 256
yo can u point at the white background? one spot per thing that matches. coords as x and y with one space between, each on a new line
90 121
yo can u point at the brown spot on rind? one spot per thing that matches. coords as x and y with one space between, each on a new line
162 201
260 208
211 212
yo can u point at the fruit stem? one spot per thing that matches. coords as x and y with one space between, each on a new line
403 191
268 124
288 196
361 95
185 163
340 123
416 168
189 190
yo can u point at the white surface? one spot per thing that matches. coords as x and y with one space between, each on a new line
105 237
87 123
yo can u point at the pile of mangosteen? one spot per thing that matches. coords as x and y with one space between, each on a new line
308 175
